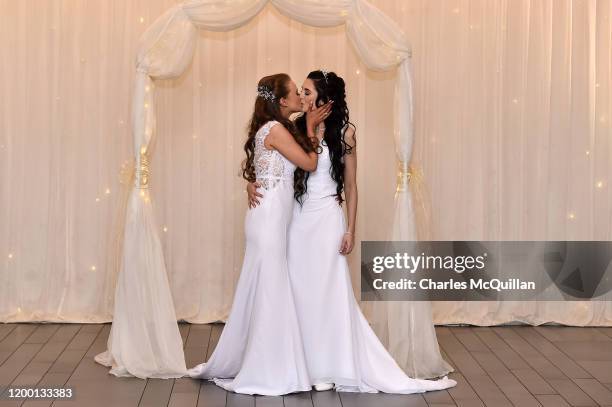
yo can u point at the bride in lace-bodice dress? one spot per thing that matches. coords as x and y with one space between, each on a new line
260 349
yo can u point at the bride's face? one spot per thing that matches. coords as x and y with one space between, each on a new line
292 102
309 94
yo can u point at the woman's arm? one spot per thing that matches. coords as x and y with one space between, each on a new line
350 191
280 139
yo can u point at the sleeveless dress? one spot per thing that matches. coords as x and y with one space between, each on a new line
260 349
339 344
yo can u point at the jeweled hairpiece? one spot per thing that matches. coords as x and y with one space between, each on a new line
324 72
266 93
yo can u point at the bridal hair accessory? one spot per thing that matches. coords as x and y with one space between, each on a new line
324 72
266 93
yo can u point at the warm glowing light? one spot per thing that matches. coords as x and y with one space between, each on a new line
142 20
93 268
165 229
146 105
97 199
357 72
456 10
147 88
599 184
515 101
142 193
107 191
588 152
10 255
571 215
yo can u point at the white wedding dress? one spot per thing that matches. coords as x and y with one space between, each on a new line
260 350
339 344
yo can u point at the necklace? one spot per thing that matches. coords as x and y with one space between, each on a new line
320 131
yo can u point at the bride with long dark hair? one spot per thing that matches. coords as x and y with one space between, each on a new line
342 350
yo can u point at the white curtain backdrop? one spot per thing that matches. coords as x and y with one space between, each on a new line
512 135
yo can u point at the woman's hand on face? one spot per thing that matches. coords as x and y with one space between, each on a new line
253 194
346 247
316 115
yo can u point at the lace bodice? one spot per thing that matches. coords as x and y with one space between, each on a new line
271 167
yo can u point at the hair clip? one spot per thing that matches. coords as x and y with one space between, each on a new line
266 93
324 72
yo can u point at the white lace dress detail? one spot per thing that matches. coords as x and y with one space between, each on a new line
271 167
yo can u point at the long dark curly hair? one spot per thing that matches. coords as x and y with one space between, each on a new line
264 111
330 87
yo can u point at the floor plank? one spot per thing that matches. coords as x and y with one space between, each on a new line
325 399
474 374
463 394
595 390
211 395
382 399
552 352
303 399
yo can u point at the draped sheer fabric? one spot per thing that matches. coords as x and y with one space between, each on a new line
165 50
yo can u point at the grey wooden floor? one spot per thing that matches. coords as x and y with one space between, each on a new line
500 366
